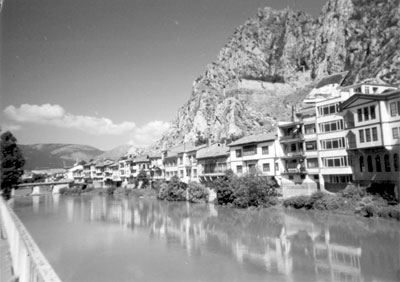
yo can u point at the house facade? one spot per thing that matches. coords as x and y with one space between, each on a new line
256 153
373 122
212 162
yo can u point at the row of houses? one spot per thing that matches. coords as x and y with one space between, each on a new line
341 135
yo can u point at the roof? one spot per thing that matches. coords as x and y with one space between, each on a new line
215 150
141 159
373 97
336 78
370 83
254 139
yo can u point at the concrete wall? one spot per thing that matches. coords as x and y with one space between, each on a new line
28 262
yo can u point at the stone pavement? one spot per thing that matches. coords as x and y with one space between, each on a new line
5 259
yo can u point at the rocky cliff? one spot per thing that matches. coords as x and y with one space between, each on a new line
273 60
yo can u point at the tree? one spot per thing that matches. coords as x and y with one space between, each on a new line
12 163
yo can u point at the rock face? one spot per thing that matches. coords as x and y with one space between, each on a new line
274 59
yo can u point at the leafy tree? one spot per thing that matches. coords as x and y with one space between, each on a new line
12 163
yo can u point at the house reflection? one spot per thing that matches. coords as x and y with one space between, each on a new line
280 243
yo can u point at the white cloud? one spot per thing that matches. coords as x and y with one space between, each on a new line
148 133
9 127
55 115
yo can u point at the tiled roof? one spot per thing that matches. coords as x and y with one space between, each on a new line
214 150
141 159
377 97
332 79
254 139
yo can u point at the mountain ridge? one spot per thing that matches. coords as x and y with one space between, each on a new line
292 49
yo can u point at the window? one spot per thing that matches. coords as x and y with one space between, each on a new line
312 163
311 146
396 162
395 132
369 164
374 134
367 135
361 135
359 115
194 172
331 126
239 169
328 109
387 163
249 150
361 163
265 150
366 113
378 163
393 109
276 167
238 153
266 168
366 90
309 128
251 167
332 143
372 112
335 161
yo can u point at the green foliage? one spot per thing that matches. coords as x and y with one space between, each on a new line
251 190
353 192
75 191
296 202
175 190
163 191
12 163
197 193
143 178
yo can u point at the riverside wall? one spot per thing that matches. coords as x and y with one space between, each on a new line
28 262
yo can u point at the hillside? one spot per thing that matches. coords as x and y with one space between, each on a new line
287 52
44 156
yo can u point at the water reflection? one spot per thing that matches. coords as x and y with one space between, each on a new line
291 246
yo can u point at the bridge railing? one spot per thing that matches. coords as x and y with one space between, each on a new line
28 262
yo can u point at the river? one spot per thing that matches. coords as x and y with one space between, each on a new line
99 238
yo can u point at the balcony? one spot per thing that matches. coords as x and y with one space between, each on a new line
291 138
291 171
294 155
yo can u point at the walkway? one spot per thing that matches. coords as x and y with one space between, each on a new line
5 258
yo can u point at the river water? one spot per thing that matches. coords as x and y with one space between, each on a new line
99 238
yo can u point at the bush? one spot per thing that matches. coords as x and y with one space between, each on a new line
175 190
143 178
296 202
163 191
328 202
314 198
251 190
197 193
353 192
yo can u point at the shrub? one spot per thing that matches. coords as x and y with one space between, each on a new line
296 202
175 190
253 190
328 202
224 188
143 178
313 198
353 192
163 191
197 192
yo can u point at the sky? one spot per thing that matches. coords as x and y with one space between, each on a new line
110 72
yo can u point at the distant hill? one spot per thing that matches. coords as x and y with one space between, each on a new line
115 153
45 156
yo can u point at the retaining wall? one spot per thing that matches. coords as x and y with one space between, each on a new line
28 262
